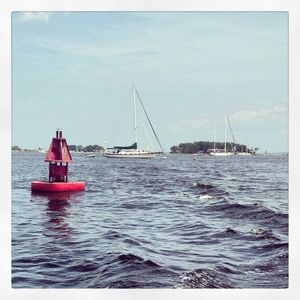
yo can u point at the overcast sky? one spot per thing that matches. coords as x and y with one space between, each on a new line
75 71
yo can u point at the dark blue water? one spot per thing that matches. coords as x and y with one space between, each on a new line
168 222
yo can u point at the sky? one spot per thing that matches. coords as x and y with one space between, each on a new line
75 71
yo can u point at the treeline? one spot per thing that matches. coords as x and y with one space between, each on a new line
204 146
17 148
89 148
77 148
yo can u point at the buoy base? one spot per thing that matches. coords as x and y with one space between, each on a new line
43 186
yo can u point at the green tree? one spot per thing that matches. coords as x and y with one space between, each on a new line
204 146
73 147
15 148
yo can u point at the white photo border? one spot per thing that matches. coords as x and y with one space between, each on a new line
9 6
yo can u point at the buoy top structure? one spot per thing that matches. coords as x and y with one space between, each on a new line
59 149
58 157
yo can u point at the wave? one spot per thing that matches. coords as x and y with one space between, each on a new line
203 186
205 197
209 191
205 278
228 232
128 270
250 211
264 249
260 233
82 266
270 273
141 224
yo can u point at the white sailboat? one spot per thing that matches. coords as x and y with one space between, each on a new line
222 152
244 153
133 151
247 152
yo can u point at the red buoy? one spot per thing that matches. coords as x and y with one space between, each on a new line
43 186
58 157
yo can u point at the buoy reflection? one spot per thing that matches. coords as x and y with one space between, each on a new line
58 211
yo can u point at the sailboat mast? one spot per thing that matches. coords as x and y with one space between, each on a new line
215 132
225 133
231 130
135 118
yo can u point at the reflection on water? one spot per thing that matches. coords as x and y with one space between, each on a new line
58 211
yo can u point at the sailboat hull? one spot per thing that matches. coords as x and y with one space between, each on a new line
221 154
131 155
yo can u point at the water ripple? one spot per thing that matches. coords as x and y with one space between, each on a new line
162 223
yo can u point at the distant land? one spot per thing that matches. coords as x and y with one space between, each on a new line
184 148
73 148
204 146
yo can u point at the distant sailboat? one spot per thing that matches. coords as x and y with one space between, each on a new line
222 152
89 155
133 151
247 152
244 153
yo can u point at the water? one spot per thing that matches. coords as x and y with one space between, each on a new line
168 222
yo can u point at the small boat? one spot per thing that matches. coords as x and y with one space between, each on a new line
133 151
89 155
247 152
200 153
244 153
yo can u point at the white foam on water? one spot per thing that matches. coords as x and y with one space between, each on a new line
205 197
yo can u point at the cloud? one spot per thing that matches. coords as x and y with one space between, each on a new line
248 115
245 115
95 51
72 48
35 16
